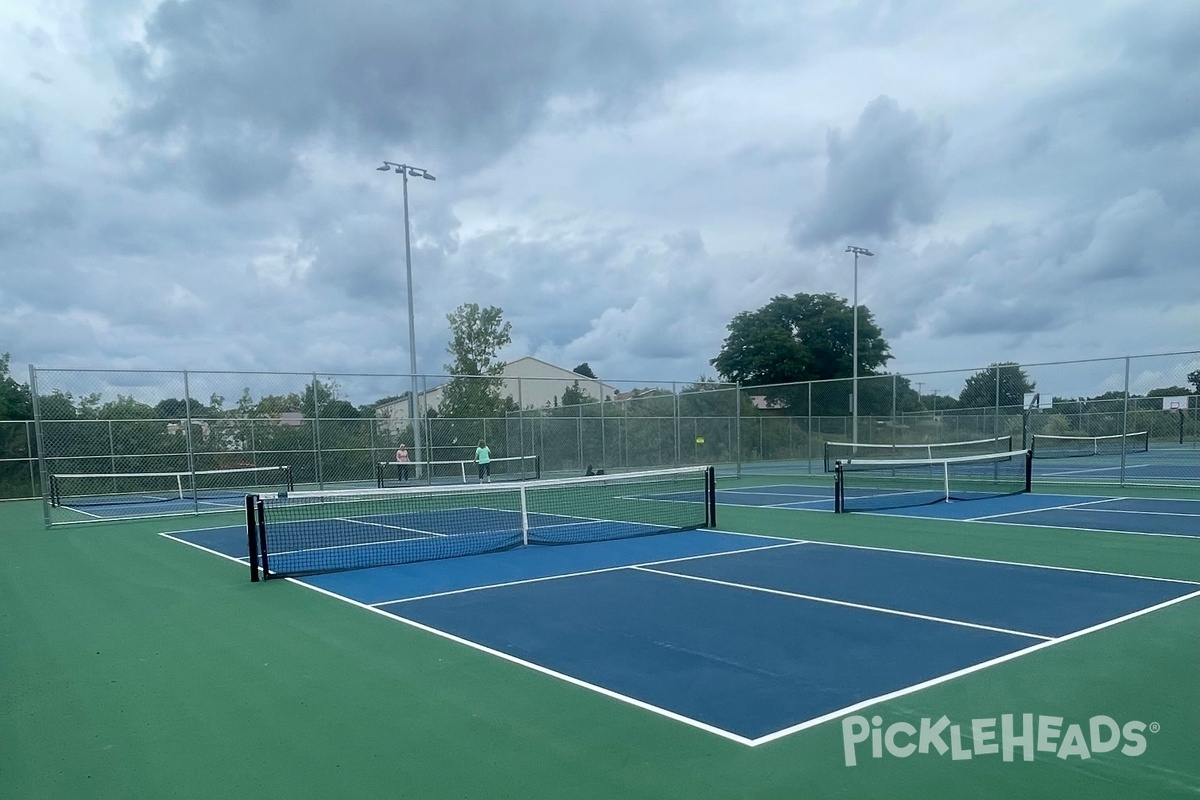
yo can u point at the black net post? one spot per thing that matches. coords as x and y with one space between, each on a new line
252 536
711 495
839 489
1029 470
262 536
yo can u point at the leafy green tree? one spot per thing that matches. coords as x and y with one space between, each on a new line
477 335
15 402
1169 391
585 370
57 405
804 337
126 408
575 396
980 389
1194 379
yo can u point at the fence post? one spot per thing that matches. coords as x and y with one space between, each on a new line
894 390
737 428
41 444
1124 421
996 409
33 487
808 414
191 457
317 433
675 394
603 430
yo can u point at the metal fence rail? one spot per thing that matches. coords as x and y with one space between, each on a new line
332 429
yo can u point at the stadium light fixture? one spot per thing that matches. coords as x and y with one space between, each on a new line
404 170
857 251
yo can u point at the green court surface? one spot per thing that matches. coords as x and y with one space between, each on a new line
132 666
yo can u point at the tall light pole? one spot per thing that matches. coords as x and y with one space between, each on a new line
405 170
858 251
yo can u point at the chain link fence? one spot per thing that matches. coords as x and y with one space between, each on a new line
18 462
335 429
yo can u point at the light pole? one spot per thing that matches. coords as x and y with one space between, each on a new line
405 170
858 251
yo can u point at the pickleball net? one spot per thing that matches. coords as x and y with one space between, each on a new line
510 468
879 484
84 490
1048 446
835 451
301 533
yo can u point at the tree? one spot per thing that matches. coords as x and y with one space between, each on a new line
477 334
15 402
575 396
800 338
980 389
1169 391
585 370
1194 379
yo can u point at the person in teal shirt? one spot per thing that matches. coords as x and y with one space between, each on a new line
483 457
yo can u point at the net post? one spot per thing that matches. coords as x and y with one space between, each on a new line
379 474
260 510
252 537
524 517
710 492
1029 470
291 481
839 489
537 463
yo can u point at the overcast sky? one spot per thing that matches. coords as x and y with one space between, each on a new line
193 184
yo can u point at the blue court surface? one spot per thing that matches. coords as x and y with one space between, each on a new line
151 507
1142 516
748 637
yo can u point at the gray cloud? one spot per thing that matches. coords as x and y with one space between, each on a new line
197 188
223 86
884 174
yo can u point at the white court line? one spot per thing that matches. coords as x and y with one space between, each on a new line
1007 563
773 494
1080 504
847 604
243 560
376 525
1116 531
598 571
1114 468
1139 513
770 737
794 504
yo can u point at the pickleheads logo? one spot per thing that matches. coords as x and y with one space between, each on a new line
1028 734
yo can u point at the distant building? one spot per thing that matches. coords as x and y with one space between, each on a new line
529 381
761 402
